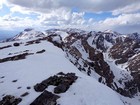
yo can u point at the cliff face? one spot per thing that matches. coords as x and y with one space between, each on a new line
95 52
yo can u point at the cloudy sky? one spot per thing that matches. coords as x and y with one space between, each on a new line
118 15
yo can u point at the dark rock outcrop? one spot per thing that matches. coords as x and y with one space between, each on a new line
42 51
62 83
61 88
32 42
59 43
10 100
134 67
46 98
124 49
5 47
75 52
16 57
16 44
25 94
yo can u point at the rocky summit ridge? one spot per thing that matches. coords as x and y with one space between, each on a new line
109 58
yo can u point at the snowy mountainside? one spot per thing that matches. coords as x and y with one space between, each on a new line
101 54
91 54
106 57
85 52
27 34
23 65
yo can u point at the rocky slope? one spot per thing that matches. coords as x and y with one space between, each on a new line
111 58
107 57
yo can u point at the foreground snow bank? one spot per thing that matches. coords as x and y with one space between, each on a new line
87 91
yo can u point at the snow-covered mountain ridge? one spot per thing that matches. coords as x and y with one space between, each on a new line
31 60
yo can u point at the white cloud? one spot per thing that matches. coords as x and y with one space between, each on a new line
126 23
124 19
19 9
9 22
85 5
1 3
56 18
133 8
58 13
62 17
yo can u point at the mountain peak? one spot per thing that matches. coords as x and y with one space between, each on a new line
28 29
111 32
28 34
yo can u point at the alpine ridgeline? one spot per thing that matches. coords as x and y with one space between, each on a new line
70 66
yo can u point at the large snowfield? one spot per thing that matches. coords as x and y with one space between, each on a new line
37 67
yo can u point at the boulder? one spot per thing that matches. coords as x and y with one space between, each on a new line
24 94
10 100
46 98
61 88
61 81
16 44
42 51
40 87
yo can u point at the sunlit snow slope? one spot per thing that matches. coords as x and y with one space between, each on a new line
42 61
